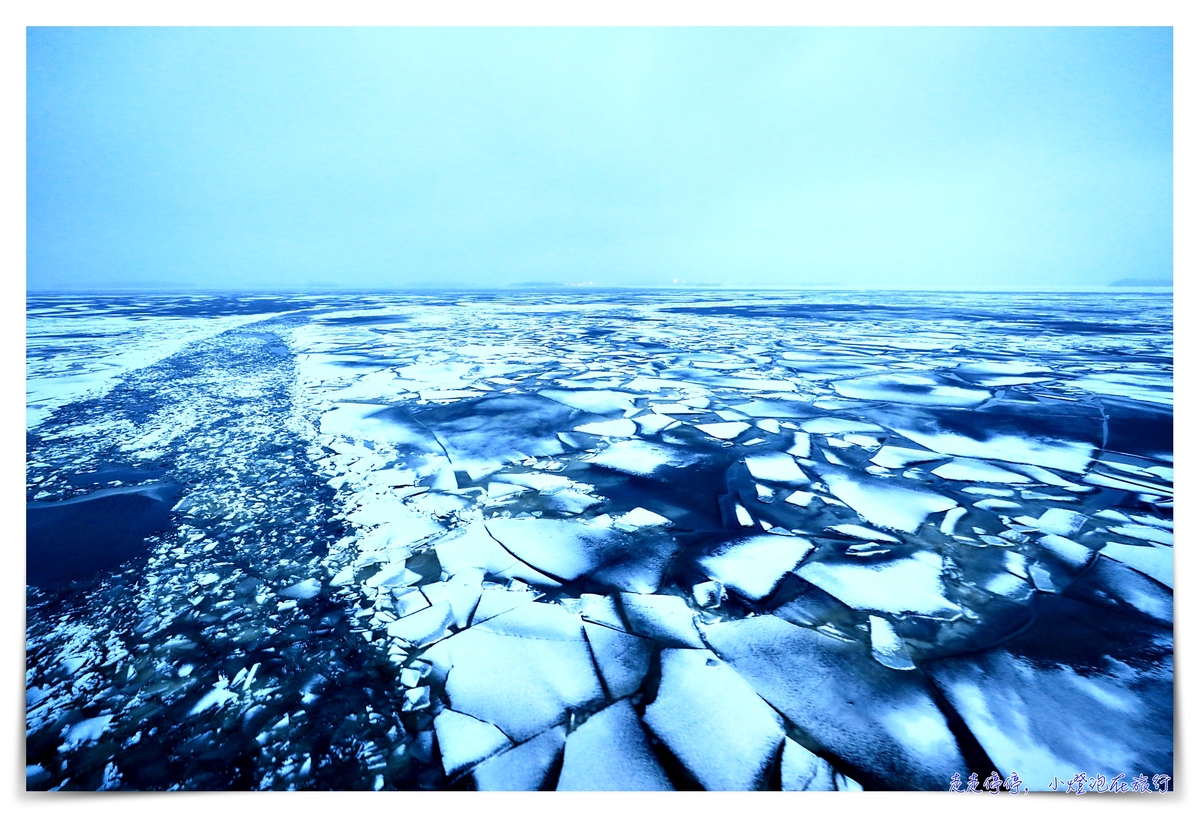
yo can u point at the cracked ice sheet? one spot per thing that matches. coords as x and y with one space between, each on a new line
1083 690
570 549
907 585
547 669
882 501
882 723
733 745
610 751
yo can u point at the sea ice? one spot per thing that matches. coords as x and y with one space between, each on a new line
912 388
662 617
465 741
620 427
1109 676
882 501
723 431
776 467
547 669
524 767
643 458
622 658
977 471
732 744
904 585
753 566
882 721
1155 561
610 751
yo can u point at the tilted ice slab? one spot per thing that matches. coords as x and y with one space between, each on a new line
882 501
643 458
977 471
713 721
879 721
926 390
755 565
611 752
905 585
898 457
621 427
521 671
570 549
1084 690
1155 561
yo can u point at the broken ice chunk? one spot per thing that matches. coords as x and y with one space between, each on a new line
524 767
912 388
609 428
610 752
302 590
862 533
906 585
1109 673
622 658
601 609
653 423
462 591
569 549
803 771
977 471
801 445
882 502
1145 532
837 426
743 516
776 467
662 617
993 504
641 517
643 458
884 722
464 740
897 457
732 744
754 566
723 431
548 669
799 498
887 646
951 519
423 627
1061 521
597 401
708 594
1155 561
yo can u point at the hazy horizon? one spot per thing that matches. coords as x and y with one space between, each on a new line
964 159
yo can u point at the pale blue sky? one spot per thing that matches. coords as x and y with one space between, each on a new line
288 158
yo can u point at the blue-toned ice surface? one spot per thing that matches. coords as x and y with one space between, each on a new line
598 540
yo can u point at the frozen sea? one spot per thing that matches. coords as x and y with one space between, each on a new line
599 540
